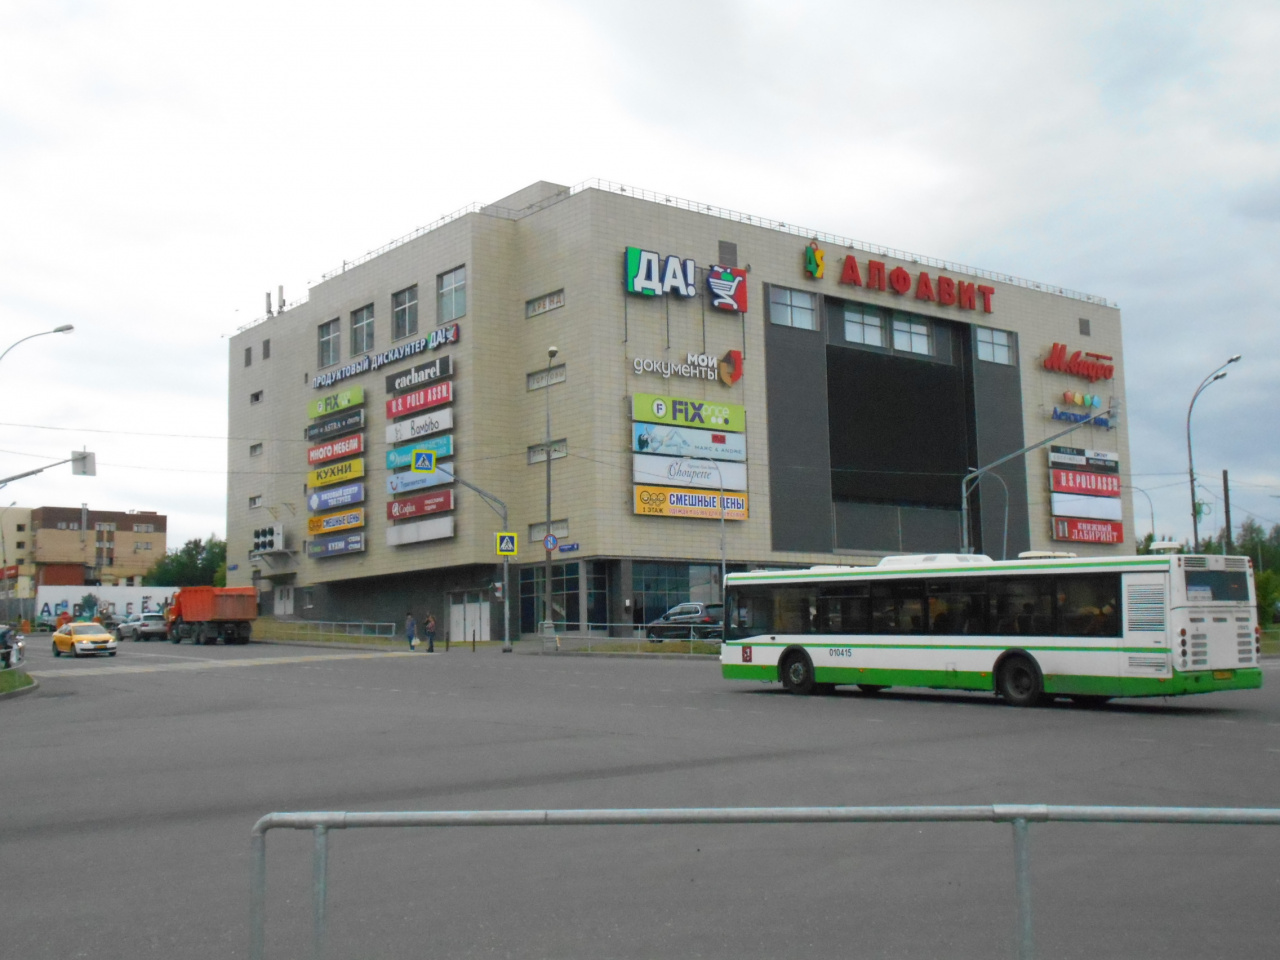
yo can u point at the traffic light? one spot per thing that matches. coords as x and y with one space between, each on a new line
267 540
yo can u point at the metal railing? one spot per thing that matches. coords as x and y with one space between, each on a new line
666 199
1020 816
626 637
356 628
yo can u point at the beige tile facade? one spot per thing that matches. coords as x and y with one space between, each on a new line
547 239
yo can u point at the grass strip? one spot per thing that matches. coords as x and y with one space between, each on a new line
11 680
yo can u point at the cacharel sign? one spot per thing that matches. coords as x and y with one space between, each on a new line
421 374
433 341
1092 366
697 366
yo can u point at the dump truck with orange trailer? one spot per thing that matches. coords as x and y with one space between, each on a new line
208 614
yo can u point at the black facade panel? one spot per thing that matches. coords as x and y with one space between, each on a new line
997 390
899 429
886 528
799 465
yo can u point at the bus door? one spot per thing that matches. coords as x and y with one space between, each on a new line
1146 644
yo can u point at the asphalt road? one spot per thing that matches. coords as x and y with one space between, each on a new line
129 786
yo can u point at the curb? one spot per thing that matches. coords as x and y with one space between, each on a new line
31 688
531 653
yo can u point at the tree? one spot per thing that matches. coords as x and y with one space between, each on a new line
197 563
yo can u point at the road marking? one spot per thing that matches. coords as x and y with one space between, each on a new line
204 664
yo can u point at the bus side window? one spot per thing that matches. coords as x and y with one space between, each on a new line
1088 605
1020 606
844 609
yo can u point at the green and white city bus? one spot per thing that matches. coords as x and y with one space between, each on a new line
1027 629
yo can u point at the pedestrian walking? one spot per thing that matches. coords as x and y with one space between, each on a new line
430 626
411 630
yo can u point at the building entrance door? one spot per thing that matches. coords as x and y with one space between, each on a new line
468 616
282 604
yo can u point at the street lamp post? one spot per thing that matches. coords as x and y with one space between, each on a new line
1151 506
548 622
1217 374
720 478
65 328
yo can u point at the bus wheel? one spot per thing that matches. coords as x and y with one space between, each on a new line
797 673
871 687
1089 699
1019 682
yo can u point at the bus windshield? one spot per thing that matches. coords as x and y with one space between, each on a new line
1208 585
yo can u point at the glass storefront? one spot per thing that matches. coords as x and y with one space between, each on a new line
564 596
657 587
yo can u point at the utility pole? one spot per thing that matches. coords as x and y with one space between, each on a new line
1226 511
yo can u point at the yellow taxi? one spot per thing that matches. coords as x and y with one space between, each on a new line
80 639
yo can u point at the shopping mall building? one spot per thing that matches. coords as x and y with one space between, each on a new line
724 386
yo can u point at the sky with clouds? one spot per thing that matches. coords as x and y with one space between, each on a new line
163 165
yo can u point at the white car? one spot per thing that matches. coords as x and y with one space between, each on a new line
143 626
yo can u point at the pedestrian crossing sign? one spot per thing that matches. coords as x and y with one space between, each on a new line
424 461
506 545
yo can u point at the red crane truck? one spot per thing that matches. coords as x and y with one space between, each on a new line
207 614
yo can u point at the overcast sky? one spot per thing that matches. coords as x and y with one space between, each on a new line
163 165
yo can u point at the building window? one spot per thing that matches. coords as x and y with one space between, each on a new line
404 313
255 501
21 528
255 397
910 336
995 346
1084 327
255 449
863 325
104 526
329 345
792 308
22 544
248 356
266 349
452 294
62 524
144 528
362 330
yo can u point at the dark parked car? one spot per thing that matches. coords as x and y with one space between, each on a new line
689 621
